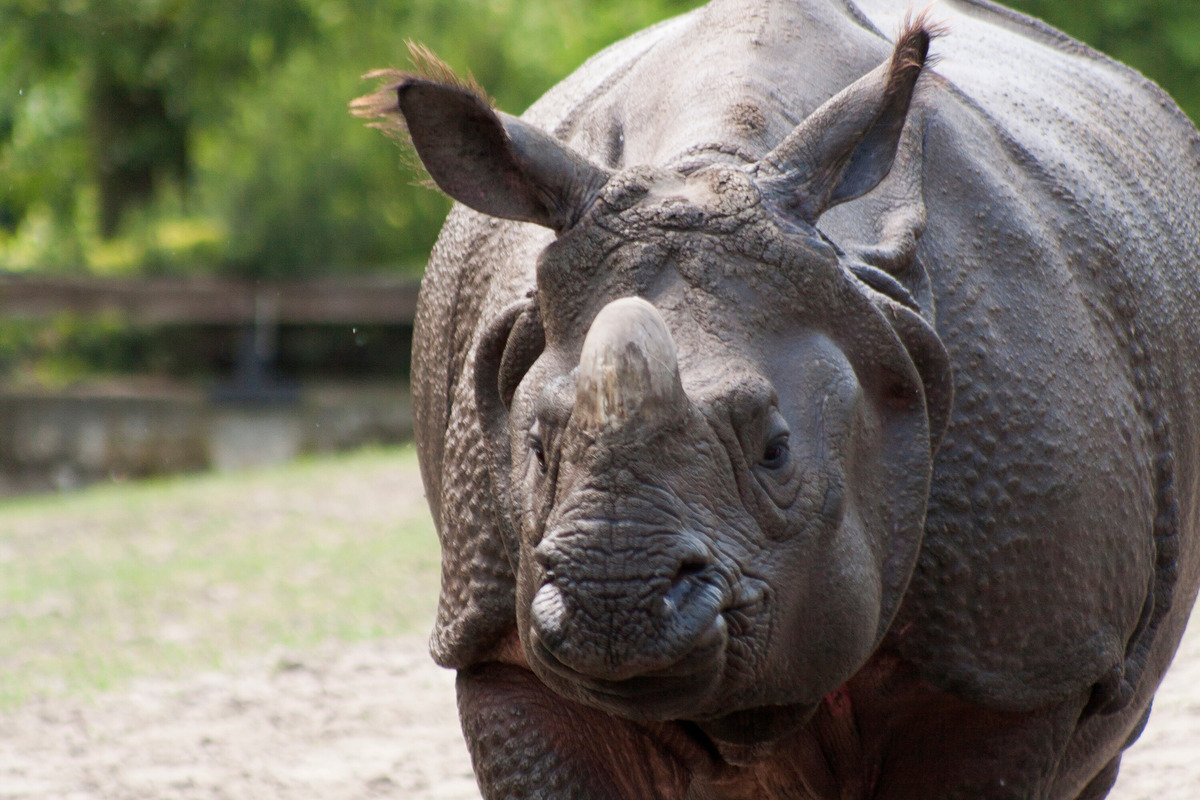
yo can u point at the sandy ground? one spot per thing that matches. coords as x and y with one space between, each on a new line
374 720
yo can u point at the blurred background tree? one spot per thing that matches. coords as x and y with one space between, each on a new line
181 136
184 137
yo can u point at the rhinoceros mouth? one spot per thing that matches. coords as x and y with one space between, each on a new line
669 692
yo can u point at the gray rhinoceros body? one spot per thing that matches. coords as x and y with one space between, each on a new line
887 487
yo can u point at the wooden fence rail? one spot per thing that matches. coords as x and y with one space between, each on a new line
157 301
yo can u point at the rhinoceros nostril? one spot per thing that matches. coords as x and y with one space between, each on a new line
688 579
691 566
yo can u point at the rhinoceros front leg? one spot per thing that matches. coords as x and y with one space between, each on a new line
527 742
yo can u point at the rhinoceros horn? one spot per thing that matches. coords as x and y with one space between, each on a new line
628 369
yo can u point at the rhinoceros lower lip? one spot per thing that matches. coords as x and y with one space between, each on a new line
688 681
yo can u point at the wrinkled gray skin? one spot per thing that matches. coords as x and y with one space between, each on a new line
889 487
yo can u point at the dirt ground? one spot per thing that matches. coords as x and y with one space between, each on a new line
374 720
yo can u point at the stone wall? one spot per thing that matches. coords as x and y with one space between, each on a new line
60 441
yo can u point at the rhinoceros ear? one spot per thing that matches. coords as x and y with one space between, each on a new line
492 162
846 147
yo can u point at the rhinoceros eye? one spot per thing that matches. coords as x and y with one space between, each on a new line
776 453
534 440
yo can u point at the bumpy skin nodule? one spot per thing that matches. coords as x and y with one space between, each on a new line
666 606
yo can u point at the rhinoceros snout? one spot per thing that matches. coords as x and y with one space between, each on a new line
634 615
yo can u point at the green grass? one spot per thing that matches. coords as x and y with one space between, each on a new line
171 576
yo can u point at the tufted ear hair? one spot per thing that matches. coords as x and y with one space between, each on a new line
846 147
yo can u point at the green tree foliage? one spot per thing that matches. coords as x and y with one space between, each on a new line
212 135
111 92
183 135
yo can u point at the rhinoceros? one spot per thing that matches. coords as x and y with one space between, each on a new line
805 418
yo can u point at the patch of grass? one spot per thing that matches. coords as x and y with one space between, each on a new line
169 576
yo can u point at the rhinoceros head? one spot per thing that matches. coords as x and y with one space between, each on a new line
710 429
